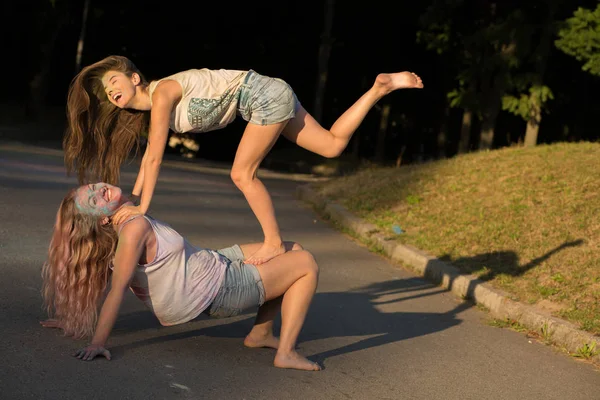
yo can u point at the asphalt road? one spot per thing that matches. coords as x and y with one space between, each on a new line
379 331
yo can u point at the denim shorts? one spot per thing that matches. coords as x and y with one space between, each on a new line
264 100
242 287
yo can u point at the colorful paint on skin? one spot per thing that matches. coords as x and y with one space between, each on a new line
90 199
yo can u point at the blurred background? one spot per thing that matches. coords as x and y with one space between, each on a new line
496 73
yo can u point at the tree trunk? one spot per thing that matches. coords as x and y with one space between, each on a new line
399 158
488 125
381 133
442 132
535 114
491 108
324 52
465 132
86 7
39 83
531 133
486 138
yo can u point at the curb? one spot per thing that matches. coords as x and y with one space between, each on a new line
551 329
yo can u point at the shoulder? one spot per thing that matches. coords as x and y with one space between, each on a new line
167 88
135 230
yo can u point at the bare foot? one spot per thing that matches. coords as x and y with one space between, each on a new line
294 360
253 340
400 80
265 253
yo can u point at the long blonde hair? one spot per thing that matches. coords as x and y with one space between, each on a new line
76 273
100 135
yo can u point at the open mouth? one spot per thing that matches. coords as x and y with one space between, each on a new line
117 97
106 195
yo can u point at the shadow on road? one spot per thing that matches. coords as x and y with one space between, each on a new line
355 313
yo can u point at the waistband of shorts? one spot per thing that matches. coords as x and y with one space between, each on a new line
249 75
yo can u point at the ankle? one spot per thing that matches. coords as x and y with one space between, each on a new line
275 242
285 351
377 92
262 333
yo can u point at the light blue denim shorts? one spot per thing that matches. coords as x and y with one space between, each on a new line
242 287
264 100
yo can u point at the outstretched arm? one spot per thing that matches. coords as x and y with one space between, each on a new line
139 181
164 98
131 244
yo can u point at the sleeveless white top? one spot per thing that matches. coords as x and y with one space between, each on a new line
181 281
209 99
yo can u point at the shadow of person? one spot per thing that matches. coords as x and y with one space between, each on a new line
503 262
355 313
364 312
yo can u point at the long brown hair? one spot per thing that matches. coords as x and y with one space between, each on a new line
76 272
100 135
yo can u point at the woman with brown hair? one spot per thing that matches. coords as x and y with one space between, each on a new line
106 113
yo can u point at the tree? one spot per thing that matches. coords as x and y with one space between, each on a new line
81 41
49 21
441 32
579 37
324 53
532 94
477 40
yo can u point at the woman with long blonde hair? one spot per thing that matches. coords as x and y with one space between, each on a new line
106 100
175 280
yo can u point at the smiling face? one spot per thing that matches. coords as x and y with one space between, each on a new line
99 199
120 88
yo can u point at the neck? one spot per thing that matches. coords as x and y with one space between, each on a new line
141 101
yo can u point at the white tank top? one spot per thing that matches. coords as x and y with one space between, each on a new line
209 99
181 281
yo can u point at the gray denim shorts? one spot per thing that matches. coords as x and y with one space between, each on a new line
242 287
264 100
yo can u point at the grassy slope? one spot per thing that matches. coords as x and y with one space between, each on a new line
524 219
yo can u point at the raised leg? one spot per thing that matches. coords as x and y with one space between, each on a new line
305 131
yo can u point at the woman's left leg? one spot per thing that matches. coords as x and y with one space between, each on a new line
256 142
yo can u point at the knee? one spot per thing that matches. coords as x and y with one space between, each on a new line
333 152
309 263
241 178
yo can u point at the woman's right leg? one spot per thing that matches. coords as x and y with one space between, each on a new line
292 276
261 334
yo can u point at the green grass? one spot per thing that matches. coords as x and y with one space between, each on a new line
587 351
523 219
508 323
